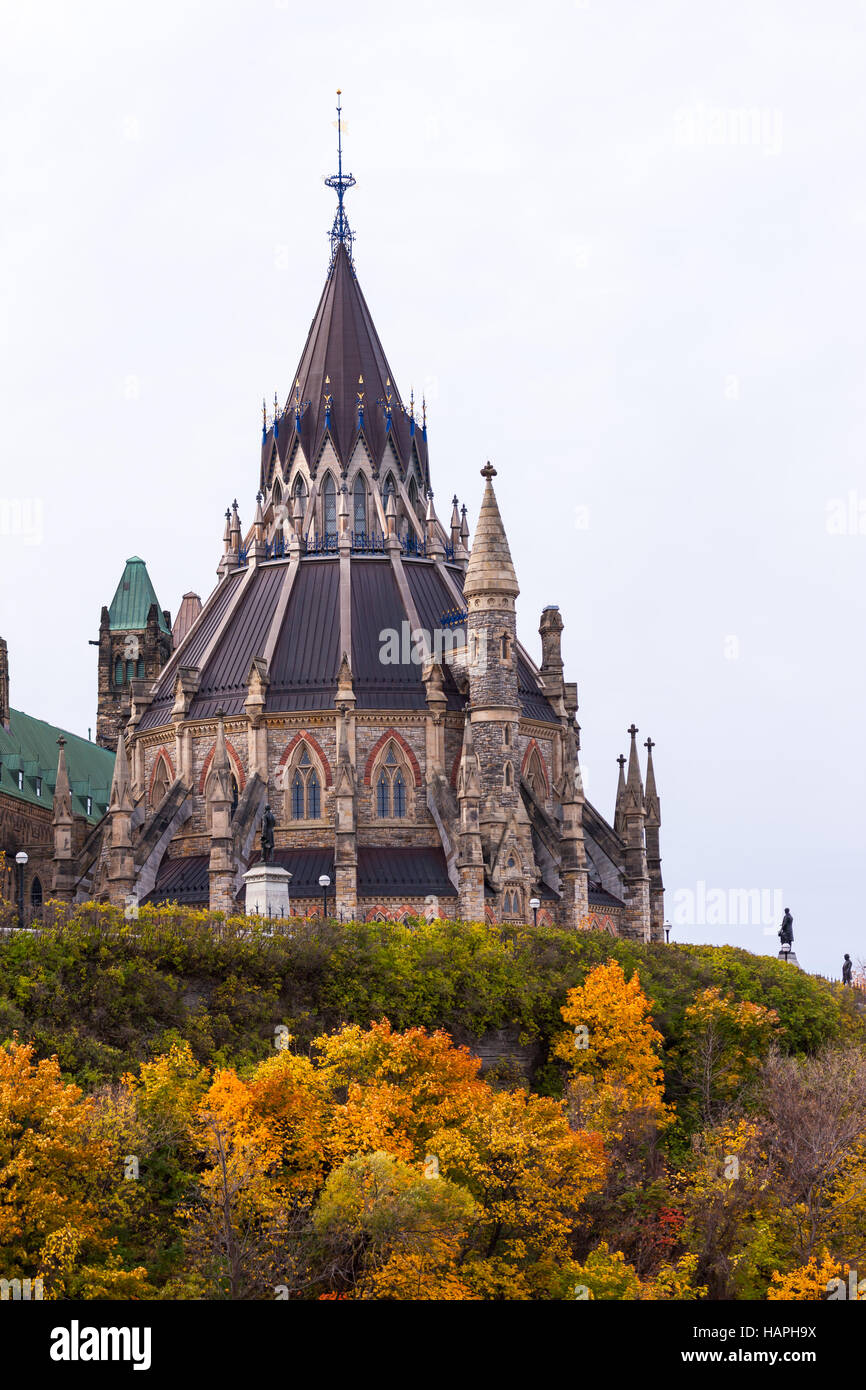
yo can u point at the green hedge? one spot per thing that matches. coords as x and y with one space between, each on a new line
105 994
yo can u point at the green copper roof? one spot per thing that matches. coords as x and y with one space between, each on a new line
132 599
29 747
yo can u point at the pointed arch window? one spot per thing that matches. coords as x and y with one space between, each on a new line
299 492
118 672
160 784
511 903
413 495
391 782
508 776
277 493
303 786
329 506
535 777
359 505
233 786
389 491
36 892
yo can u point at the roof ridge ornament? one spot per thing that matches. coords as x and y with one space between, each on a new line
341 233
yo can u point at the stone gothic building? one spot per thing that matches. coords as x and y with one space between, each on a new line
358 669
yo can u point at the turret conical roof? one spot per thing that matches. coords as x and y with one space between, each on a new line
343 385
490 569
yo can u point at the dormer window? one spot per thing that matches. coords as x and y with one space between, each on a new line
19 777
38 786
89 805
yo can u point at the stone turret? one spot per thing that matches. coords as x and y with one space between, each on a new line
490 590
345 801
470 857
135 643
653 853
121 865
4 684
550 630
574 873
63 884
619 810
636 876
221 868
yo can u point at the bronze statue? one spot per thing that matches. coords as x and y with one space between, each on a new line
267 840
786 931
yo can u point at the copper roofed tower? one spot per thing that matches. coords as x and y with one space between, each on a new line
358 668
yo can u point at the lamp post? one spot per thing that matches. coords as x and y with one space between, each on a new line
667 933
324 884
21 860
535 904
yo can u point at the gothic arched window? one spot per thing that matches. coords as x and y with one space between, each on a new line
511 903
118 672
535 775
359 504
389 491
329 506
413 495
391 781
508 776
36 892
303 784
299 492
277 493
208 791
160 783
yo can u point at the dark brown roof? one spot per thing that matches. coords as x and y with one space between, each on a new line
343 345
403 872
307 655
182 880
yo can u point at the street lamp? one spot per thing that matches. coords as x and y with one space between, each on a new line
21 860
667 933
535 904
324 884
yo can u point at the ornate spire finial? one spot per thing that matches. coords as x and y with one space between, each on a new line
632 729
341 232
488 471
649 746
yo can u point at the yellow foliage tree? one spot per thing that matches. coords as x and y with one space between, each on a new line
60 1176
811 1282
612 1055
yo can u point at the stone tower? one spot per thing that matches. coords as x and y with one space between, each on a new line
637 887
490 590
134 644
653 853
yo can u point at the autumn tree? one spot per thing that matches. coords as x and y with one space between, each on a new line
612 1054
61 1177
725 1041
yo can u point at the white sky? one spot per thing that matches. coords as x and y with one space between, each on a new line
625 296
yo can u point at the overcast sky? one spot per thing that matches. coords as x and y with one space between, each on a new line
620 245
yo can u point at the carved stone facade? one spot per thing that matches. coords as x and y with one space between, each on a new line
358 669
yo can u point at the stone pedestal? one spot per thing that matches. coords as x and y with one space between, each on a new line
790 958
267 891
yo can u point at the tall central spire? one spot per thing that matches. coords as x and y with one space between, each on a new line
341 232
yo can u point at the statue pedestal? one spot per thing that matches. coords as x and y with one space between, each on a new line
789 957
267 891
